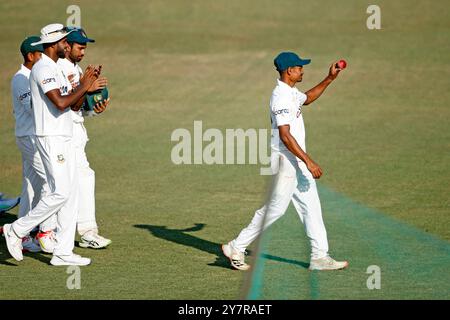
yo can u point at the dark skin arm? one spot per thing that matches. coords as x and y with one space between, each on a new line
292 145
64 102
317 91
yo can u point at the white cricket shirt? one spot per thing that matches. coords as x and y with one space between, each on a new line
49 121
286 109
73 73
21 98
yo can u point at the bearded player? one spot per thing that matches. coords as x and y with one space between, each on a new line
86 222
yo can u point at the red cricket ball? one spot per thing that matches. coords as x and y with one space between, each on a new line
342 64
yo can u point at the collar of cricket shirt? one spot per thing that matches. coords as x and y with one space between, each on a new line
285 86
24 70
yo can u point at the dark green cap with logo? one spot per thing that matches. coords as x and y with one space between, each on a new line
78 35
289 59
26 46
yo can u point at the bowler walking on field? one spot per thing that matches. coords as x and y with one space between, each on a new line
296 171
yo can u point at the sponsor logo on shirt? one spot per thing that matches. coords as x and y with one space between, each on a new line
64 89
45 81
277 112
71 78
25 95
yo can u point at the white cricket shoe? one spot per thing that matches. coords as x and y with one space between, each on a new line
327 263
237 258
72 260
92 239
29 245
47 240
13 242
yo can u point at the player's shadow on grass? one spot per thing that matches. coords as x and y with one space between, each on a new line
290 261
180 236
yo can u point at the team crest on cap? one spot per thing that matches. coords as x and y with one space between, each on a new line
98 97
61 158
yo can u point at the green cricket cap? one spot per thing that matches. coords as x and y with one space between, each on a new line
289 59
26 46
78 35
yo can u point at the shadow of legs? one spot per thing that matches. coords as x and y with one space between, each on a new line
180 236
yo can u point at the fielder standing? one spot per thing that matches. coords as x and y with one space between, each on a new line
296 170
33 172
86 222
53 130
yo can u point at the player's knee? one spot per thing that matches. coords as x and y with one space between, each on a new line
60 198
277 206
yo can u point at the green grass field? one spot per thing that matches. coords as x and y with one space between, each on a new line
381 133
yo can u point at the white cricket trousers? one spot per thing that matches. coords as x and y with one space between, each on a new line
58 158
295 183
34 185
86 181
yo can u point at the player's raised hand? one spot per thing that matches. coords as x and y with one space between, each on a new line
334 71
89 69
98 69
98 84
101 106
89 76
314 169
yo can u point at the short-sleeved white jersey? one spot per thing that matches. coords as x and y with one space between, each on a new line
73 72
49 121
21 99
286 109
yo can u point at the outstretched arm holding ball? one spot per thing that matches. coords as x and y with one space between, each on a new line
317 91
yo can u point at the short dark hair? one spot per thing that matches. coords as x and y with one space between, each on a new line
282 71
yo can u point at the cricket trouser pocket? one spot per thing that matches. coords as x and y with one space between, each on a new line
80 137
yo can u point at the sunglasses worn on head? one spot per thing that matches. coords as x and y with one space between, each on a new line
73 28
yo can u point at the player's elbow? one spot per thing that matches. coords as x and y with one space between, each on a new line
308 99
58 101
60 104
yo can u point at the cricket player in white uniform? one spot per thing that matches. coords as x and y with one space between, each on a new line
86 222
33 172
53 135
294 180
